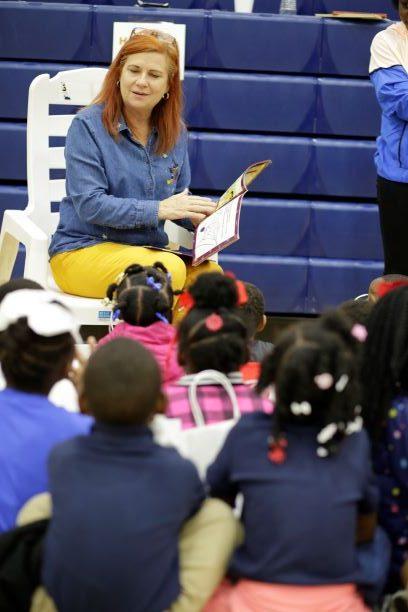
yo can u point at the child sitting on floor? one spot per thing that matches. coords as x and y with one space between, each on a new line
142 298
253 313
36 350
120 500
305 476
212 336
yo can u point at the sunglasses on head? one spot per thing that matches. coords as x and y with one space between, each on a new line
162 36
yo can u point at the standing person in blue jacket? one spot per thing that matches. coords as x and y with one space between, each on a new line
389 75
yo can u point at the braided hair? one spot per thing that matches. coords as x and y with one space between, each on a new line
385 359
142 295
33 363
314 371
213 334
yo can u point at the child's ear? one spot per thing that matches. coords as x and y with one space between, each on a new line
161 404
262 324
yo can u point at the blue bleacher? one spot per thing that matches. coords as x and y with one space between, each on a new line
357 115
346 46
293 89
42 31
283 280
343 230
332 281
219 101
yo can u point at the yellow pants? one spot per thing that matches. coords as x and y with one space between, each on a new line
88 272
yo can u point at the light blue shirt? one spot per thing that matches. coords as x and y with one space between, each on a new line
30 426
391 88
114 187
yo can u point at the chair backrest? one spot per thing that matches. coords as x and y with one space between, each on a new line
45 151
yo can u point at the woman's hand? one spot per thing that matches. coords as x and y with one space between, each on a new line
185 206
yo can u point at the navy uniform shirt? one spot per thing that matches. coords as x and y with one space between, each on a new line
119 502
299 516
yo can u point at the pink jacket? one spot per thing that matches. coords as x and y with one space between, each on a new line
159 338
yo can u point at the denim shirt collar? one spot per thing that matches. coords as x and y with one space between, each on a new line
123 127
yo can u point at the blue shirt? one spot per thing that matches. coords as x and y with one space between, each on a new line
119 502
388 74
114 187
299 516
30 426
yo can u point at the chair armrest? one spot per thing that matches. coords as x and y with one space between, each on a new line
17 224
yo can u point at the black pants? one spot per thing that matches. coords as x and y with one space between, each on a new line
393 205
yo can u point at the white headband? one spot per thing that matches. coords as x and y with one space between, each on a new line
45 315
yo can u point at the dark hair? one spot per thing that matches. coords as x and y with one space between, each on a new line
219 343
15 284
254 309
143 295
302 355
31 362
357 311
385 359
122 383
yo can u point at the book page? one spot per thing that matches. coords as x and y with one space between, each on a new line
218 228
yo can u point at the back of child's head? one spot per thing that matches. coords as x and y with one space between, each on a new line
253 311
142 295
213 334
384 284
385 358
313 370
122 384
358 311
36 340
15 284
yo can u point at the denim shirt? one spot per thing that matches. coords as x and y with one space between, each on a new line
114 187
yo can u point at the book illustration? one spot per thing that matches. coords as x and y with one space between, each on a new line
240 186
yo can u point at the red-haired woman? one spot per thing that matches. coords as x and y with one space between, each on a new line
127 172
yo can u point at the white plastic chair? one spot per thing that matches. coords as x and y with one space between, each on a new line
34 226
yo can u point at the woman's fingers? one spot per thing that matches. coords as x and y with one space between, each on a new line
196 217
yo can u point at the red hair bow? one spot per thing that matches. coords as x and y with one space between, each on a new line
185 301
241 289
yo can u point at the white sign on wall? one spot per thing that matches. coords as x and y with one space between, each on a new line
122 31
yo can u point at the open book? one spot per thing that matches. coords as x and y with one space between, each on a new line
221 228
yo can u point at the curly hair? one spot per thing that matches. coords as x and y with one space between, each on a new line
143 294
223 347
385 359
305 354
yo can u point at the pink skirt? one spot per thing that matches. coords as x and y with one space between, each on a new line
251 596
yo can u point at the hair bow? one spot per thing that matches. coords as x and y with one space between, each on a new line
150 282
298 408
241 289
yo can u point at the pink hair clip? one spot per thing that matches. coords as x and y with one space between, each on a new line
359 332
324 381
214 322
